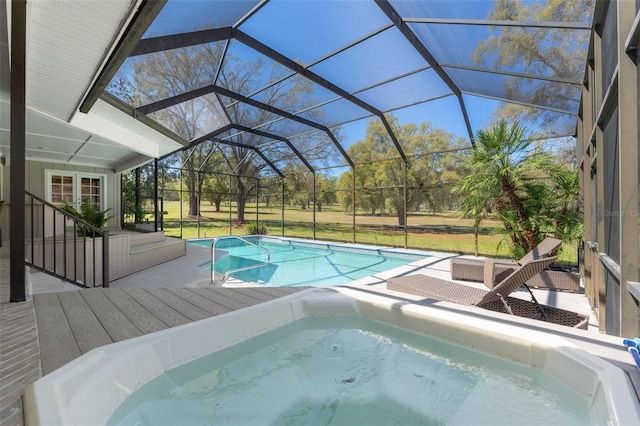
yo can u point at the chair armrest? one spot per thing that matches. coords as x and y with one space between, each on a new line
489 273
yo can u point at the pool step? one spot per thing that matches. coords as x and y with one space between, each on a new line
153 248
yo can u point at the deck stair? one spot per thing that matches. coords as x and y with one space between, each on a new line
152 248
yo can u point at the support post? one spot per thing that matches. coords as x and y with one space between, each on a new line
314 205
181 219
137 206
17 137
105 259
405 166
353 209
257 203
197 194
155 195
628 171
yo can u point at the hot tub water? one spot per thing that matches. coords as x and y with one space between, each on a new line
347 370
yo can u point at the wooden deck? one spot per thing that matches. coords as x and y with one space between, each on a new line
72 323
43 334
19 358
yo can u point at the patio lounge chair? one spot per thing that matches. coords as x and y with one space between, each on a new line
474 270
497 299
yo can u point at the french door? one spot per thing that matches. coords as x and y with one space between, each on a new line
74 188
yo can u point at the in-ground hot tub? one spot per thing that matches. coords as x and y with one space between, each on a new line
337 356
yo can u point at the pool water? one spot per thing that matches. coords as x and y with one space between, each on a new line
302 264
348 370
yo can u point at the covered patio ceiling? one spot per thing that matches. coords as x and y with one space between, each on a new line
285 76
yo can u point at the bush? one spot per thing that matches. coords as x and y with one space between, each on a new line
255 229
89 213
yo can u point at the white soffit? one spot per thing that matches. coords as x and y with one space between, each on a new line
112 124
67 41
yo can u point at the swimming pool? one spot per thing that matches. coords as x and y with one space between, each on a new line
301 263
424 363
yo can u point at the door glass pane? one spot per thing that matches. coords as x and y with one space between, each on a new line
61 189
90 190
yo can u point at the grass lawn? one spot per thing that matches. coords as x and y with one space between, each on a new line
440 232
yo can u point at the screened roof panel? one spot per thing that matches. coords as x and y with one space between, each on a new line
306 31
226 135
384 56
443 41
286 164
276 150
308 65
145 79
561 96
549 124
356 131
246 71
183 16
301 94
247 115
246 138
286 127
418 87
334 113
193 118
318 149
484 9
443 9
443 113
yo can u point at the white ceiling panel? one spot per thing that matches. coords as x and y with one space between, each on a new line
110 152
48 144
115 115
91 161
67 42
43 125
53 157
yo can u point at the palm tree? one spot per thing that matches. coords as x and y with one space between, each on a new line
504 158
472 205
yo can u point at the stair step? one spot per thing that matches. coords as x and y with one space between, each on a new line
151 254
154 245
139 239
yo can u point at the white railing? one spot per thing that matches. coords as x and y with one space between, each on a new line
226 275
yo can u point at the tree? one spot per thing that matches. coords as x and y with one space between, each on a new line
558 53
215 188
552 200
504 156
298 186
325 190
472 205
162 75
533 195
380 172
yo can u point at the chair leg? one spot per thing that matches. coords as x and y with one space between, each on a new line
506 305
534 300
